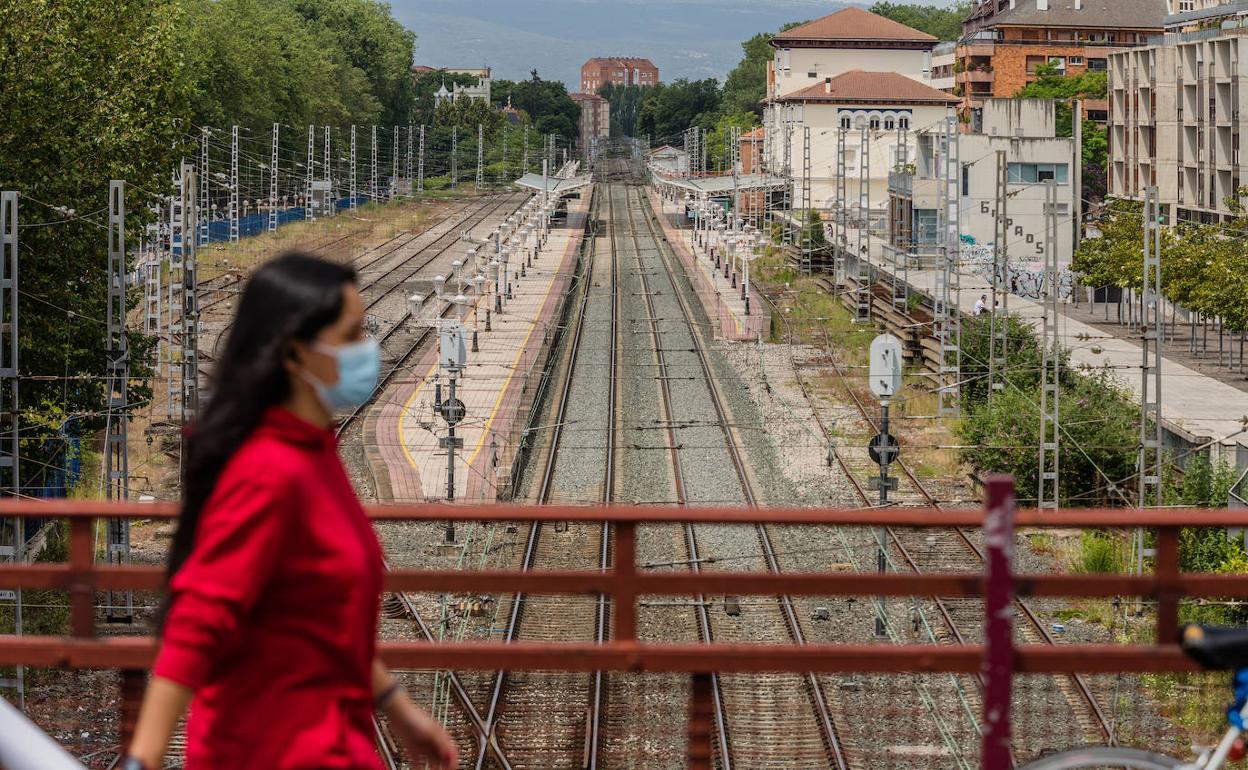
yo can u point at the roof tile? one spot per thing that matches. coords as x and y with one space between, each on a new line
854 23
860 86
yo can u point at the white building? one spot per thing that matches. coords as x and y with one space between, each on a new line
1025 129
1176 119
850 70
888 106
850 39
480 92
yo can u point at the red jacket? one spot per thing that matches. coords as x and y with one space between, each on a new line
273 619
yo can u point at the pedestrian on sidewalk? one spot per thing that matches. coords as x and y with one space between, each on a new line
270 629
981 304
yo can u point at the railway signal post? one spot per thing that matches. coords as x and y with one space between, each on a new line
885 380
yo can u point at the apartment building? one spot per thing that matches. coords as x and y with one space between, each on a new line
1195 15
595 121
1026 130
1004 41
1176 121
620 70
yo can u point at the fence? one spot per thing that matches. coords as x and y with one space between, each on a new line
999 660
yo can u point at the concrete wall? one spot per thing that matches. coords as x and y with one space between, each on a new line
1036 118
830 62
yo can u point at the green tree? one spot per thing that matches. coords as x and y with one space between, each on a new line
281 71
669 108
545 102
625 103
372 41
92 92
944 23
718 138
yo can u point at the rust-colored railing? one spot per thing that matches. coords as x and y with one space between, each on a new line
999 658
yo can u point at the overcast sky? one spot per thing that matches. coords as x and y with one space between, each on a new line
685 38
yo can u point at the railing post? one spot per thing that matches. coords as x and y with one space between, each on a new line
1166 574
133 682
998 663
698 750
82 588
625 595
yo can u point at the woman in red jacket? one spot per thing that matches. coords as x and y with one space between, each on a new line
275 573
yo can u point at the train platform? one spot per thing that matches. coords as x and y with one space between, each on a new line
723 304
495 389
1196 408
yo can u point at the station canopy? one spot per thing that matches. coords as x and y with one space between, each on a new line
553 185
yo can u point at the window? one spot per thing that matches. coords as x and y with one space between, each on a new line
875 124
966 179
860 122
1074 60
903 123
1033 62
782 60
845 122
890 123
812 75
1037 173
1098 65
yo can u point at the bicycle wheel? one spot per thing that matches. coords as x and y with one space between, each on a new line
1105 758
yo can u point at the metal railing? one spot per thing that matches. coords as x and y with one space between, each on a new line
1000 659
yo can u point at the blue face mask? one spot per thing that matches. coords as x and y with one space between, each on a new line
359 365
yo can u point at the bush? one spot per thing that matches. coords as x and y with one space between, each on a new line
1101 553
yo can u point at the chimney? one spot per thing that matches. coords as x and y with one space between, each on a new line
1042 5
1078 5
827 85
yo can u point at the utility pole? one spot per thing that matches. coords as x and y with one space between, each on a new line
330 201
204 204
452 359
788 170
526 148
352 202
372 166
420 168
1076 173
190 305
899 239
12 532
476 187
999 320
311 174
408 162
804 220
862 294
392 188
233 186
120 604
454 155
840 246
1149 478
948 317
273 181
1048 495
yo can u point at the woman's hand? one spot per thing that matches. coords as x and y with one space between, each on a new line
420 734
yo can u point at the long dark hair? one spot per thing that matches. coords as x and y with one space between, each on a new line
291 298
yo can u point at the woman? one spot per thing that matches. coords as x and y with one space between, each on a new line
275 573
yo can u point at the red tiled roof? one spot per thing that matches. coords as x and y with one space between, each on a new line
755 134
860 86
855 24
583 97
618 61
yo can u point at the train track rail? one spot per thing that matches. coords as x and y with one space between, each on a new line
552 719
952 549
747 735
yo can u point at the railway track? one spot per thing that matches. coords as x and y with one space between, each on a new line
552 719
759 719
956 550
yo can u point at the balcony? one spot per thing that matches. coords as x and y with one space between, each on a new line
985 48
975 76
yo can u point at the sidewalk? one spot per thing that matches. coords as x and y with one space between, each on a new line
718 297
493 388
1195 407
